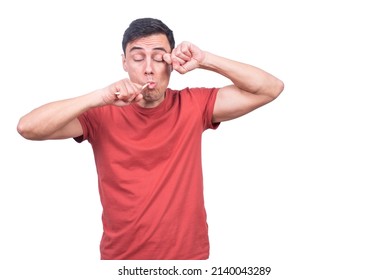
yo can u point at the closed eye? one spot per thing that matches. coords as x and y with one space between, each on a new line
158 58
138 57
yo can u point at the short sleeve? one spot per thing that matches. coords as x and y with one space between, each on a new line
206 98
89 123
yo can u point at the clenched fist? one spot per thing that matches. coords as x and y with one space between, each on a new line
185 57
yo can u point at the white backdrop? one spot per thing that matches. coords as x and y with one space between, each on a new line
298 185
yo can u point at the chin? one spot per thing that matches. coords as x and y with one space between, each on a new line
152 95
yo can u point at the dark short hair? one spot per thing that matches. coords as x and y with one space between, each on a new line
144 27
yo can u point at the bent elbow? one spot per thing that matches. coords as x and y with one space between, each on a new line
26 132
278 88
21 128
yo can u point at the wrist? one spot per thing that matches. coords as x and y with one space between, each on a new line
205 63
95 99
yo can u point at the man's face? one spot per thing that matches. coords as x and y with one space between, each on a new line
143 61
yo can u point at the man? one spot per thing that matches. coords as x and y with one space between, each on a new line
146 140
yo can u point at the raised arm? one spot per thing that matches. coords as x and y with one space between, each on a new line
58 120
252 87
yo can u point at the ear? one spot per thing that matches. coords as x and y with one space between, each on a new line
124 63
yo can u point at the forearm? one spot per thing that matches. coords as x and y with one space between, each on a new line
244 76
44 121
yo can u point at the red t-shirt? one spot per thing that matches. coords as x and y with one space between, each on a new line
150 178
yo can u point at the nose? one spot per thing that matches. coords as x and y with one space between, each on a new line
149 66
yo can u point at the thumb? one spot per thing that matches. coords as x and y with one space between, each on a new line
168 58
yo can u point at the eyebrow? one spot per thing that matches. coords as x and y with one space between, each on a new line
154 49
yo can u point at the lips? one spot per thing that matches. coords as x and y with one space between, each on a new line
152 85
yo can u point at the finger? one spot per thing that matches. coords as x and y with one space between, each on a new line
167 58
179 54
185 67
180 69
127 91
178 60
185 52
120 88
124 100
138 98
